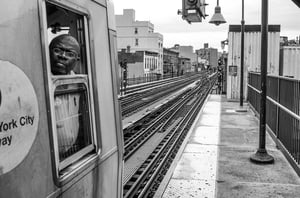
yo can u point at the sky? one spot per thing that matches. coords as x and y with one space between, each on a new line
175 30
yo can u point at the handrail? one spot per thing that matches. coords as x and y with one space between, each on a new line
278 104
284 108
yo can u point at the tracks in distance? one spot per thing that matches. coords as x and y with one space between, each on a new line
180 115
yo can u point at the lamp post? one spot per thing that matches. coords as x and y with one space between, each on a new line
242 56
261 155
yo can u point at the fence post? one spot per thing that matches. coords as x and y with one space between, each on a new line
277 108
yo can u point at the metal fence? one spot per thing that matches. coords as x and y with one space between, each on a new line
154 77
282 111
150 78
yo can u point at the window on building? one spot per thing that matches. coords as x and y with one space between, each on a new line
136 31
152 63
136 42
71 88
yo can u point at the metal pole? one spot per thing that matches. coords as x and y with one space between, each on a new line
122 83
242 56
261 155
264 62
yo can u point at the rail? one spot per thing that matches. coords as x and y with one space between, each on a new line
146 179
133 103
282 115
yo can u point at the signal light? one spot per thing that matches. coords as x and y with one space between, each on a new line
123 64
191 4
193 10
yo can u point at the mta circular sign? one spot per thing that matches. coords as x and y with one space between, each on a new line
18 116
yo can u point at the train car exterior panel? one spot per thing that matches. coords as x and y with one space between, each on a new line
252 50
104 81
101 2
111 15
20 45
24 45
96 183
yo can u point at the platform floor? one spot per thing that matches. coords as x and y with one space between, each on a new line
214 161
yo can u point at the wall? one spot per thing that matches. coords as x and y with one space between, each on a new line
252 50
213 57
135 70
147 39
290 61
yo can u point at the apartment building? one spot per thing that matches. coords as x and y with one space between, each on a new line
135 35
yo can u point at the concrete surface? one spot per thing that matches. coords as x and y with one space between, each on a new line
215 161
237 176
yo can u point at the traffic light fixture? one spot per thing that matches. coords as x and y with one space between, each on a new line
193 10
123 64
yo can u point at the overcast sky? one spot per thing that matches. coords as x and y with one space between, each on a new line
163 14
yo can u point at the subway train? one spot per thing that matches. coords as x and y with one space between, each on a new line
60 133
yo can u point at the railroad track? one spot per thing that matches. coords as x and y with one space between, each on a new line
148 176
136 135
141 87
140 100
149 121
135 139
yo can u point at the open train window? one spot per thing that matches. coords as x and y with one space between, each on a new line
71 88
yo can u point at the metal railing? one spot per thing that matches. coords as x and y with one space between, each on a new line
282 111
155 77
150 78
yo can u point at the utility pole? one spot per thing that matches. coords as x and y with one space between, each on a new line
123 65
242 56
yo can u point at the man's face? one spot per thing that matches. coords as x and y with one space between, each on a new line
63 57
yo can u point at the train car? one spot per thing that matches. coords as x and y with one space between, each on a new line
60 133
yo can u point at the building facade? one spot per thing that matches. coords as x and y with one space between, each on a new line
185 65
210 55
139 63
186 53
171 64
140 36
252 55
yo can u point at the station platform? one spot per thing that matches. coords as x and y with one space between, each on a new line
214 160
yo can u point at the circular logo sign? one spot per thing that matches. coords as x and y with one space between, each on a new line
18 116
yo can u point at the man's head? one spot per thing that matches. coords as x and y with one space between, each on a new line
64 53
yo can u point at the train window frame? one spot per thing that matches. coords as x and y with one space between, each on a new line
74 80
64 169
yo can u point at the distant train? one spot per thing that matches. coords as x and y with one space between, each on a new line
60 135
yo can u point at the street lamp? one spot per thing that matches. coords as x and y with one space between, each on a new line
261 155
217 18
